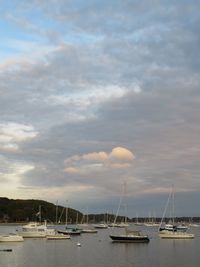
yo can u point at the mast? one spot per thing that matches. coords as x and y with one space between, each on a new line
121 202
56 211
66 215
76 218
173 204
40 214
125 204
163 216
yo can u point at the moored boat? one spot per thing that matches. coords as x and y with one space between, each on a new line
101 226
57 236
172 230
89 230
36 230
70 231
122 225
130 237
182 227
11 238
165 234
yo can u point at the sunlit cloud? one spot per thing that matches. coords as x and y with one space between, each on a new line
119 157
121 153
12 171
96 156
71 170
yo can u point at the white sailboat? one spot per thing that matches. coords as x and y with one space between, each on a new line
171 230
124 223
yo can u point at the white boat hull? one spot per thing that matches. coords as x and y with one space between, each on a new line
11 238
175 235
33 234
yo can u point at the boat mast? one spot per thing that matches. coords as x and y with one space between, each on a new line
173 204
56 211
66 218
125 204
40 214
166 206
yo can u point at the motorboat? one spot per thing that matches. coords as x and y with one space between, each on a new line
36 230
130 237
11 238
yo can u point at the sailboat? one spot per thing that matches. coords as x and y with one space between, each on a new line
130 236
171 230
124 223
102 225
69 230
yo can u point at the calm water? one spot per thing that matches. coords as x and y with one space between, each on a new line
97 250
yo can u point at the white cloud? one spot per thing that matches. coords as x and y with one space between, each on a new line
11 172
12 134
137 89
71 170
120 165
96 156
121 153
118 158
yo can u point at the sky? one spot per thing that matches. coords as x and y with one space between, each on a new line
97 94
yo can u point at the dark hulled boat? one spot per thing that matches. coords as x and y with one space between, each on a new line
130 237
70 232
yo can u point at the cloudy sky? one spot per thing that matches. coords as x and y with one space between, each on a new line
97 93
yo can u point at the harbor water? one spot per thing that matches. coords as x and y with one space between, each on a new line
89 250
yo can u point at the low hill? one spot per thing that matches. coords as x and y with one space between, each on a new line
18 210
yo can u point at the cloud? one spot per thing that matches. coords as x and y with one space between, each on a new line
13 134
96 156
119 157
120 165
71 170
121 153
11 171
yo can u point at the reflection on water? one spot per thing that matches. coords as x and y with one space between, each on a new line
98 250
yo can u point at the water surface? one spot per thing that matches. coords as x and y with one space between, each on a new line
97 250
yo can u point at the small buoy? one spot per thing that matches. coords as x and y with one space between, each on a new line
78 244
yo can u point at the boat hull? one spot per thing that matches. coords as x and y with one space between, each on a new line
32 235
10 238
57 237
176 235
89 231
130 239
69 232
